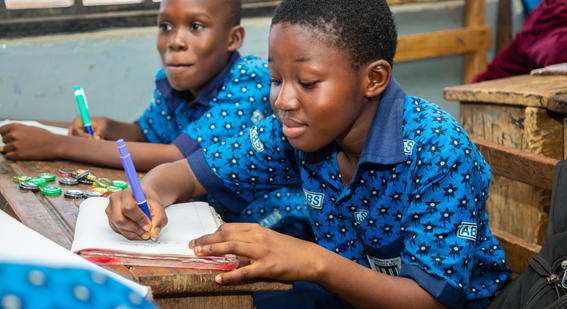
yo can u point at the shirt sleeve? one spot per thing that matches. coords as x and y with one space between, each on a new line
243 101
446 230
155 121
243 168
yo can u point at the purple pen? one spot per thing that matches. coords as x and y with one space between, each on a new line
133 178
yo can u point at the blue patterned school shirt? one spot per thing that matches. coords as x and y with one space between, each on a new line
414 208
235 99
24 286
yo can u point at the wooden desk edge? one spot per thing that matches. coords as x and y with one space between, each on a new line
187 284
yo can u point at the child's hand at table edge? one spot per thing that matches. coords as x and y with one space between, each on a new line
28 142
272 255
126 218
98 124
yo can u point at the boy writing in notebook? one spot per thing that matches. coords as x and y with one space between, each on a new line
205 92
396 189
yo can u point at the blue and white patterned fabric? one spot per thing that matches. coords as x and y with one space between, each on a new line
235 99
31 286
414 208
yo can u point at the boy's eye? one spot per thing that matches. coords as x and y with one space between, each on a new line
275 82
197 26
308 85
165 26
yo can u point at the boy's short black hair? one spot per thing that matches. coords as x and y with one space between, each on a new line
233 12
364 28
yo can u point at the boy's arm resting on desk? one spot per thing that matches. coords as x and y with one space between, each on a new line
281 257
106 128
31 143
174 181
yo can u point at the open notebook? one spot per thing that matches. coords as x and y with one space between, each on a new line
22 245
97 242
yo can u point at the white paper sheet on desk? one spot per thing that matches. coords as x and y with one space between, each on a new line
22 245
33 123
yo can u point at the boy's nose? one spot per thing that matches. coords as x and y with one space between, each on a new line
179 40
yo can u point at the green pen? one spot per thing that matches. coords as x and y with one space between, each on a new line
82 103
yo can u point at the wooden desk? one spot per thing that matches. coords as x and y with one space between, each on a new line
55 218
527 113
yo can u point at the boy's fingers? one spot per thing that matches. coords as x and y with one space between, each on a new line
226 232
229 247
241 274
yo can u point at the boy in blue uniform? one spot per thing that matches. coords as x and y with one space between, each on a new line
204 93
396 189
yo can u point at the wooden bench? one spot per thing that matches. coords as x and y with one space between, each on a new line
532 169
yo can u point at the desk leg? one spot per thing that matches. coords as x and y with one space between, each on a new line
236 301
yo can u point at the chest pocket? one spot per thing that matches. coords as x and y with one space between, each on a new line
386 259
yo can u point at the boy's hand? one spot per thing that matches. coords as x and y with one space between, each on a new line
126 218
98 124
28 143
272 255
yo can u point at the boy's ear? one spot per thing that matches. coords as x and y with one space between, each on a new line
235 38
378 77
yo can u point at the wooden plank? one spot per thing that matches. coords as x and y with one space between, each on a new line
558 104
504 27
475 62
518 251
239 301
519 165
441 43
29 209
522 90
530 129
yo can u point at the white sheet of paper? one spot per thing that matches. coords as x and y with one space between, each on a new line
33 123
186 221
23 245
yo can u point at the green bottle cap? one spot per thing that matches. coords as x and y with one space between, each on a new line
47 176
103 182
40 182
120 184
22 178
50 191
113 189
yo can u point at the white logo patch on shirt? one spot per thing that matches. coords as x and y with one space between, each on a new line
408 146
271 219
360 215
255 140
256 116
389 266
314 199
467 230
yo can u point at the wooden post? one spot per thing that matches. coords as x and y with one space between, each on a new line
474 62
2 4
504 27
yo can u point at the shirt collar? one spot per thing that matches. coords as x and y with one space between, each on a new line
384 144
174 97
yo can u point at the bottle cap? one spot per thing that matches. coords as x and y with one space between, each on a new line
22 178
47 176
40 182
85 181
74 194
103 182
68 181
82 174
113 189
93 193
120 184
65 173
50 191
28 186
104 191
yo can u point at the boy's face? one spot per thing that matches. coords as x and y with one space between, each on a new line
192 42
315 92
